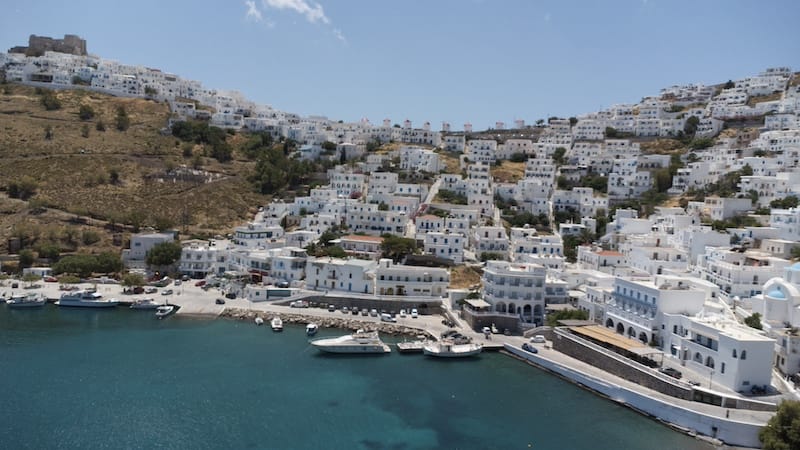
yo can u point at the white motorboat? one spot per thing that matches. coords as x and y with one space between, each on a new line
448 349
31 300
164 310
359 342
259 321
311 329
144 303
277 324
86 299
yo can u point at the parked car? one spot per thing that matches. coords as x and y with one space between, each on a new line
220 301
529 348
282 284
402 313
331 308
674 373
385 317
414 313
230 295
150 290
364 312
538 339
50 279
354 311
166 292
185 278
178 282
373 312
200 283
345 310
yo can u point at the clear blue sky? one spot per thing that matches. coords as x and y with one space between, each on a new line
456 60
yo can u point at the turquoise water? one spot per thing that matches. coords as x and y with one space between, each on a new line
74 378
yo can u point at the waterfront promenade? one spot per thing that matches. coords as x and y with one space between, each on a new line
194 301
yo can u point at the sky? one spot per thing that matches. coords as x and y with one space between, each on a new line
459 61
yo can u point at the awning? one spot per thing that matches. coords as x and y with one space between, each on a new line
477 303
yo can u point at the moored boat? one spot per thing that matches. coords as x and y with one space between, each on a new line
448 349
311 329
359 342
259 321
86 299
164 310
144 303
277 324
31 300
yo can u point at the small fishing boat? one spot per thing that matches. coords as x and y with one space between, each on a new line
164 310
259 321
311 329
277 324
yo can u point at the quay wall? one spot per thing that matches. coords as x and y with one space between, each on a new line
729 431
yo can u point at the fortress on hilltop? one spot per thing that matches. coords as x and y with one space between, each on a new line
37 45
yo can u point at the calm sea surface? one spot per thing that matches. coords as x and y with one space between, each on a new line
78 378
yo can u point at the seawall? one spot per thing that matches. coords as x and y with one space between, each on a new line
731 432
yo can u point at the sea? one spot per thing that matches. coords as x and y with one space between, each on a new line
122 379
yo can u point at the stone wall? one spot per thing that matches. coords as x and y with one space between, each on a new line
37 45
501 322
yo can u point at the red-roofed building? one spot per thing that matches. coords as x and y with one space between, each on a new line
598 259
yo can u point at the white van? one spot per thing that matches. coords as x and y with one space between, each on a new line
387 318
414 313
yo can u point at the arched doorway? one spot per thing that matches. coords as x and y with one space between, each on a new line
609 323
526 313
631 332
710 362
643 337
512 308
698 358
500 307
620 328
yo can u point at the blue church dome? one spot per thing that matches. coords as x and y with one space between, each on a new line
776 293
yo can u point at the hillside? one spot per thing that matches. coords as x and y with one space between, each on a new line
137 177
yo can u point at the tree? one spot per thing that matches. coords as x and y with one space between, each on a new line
86 112
729 85
164 254
26 258
573 121
611 132
566 314
113 176
122 121
790 201
100 126
132 279
23 189
30 278
150 91
690 127
558 156
328 146
783 429
396 247
85 131
50 101
754 321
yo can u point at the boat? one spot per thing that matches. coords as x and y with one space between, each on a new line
276 324
359 342
144 303
164 310
449 349
31 300
311 329
86 299
259 321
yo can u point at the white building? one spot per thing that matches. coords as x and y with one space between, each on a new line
490 239
335 274
419 160
396 279
515 289
141 244
445 245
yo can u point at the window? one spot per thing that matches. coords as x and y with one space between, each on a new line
734 353
744 354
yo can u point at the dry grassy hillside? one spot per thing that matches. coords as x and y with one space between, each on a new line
114 176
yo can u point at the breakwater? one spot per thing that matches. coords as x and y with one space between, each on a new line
345 323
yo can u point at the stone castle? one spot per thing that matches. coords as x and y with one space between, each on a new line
37 45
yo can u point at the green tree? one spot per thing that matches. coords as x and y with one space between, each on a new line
26 258
23 189
50 101
100 126
611 132
85 131
790 201
164 254
150 91
89 237
566 314
86 112
132 279
122 121
48 250
783 429
729 85
754 321
558 156
108 262
396 247
690 126
328 146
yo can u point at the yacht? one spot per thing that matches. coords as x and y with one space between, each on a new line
164 310
144 303
449 349
277 324
26 301
359 342
311 329
86 298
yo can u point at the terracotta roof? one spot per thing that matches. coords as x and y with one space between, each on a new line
356 237
609 253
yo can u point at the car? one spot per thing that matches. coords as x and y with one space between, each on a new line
529 348
345 310
185 278
50 279
538 339
282 284
150 290
166 292
414 313
230 295
354 311
486 330
385 317
402 313
14 285
373 312
331 308
674 373
177 282
220 301
200 283
364 312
